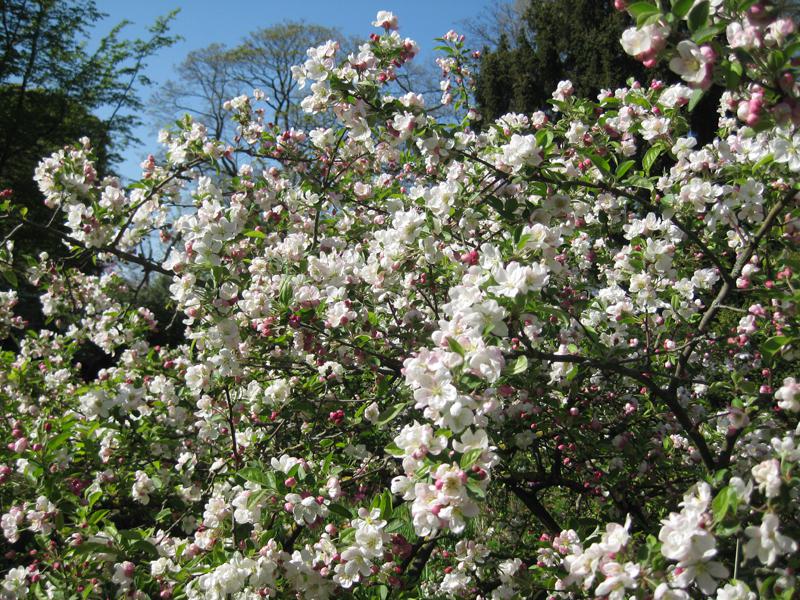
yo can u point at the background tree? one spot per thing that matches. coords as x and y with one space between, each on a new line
202 84
265 59
553 40
542 42
53 90
210 76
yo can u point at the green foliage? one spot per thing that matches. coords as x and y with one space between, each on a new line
52 89
561 39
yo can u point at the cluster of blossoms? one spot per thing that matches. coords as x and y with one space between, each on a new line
754 35
555 356
100 213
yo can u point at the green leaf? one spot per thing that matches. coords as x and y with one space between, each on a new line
475 489
93 497
285 293
390 413
763 162
164 514
601 163
544 138
255 475
146 548
792 49
725 501
624 168
255 498
748 387
651 156
57 441
255 234
393 449
640 182
520 365
732 70
95 547
456 347
727 530
680 8
573 373
765 587
642 10
468 458
98 516
699 16
639 101
385 505
518 234
694 99
776 60
10 277
774 344
340 510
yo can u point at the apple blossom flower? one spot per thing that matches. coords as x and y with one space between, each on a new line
768 476
766 542
694 64
736 590
645 42
386 20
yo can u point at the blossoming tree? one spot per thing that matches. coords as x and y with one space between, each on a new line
555 358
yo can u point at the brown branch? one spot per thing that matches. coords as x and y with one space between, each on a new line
668 396
416 561
727 286
392 363
727 452
156 188
126 256
289 545
236 455
533 504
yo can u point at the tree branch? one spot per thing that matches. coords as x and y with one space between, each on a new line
126 256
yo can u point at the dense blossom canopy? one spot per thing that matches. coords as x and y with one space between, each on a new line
553 359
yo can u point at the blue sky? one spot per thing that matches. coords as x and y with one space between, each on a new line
203 22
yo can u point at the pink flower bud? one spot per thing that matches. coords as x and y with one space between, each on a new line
128 569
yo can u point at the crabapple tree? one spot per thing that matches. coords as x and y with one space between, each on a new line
553 359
